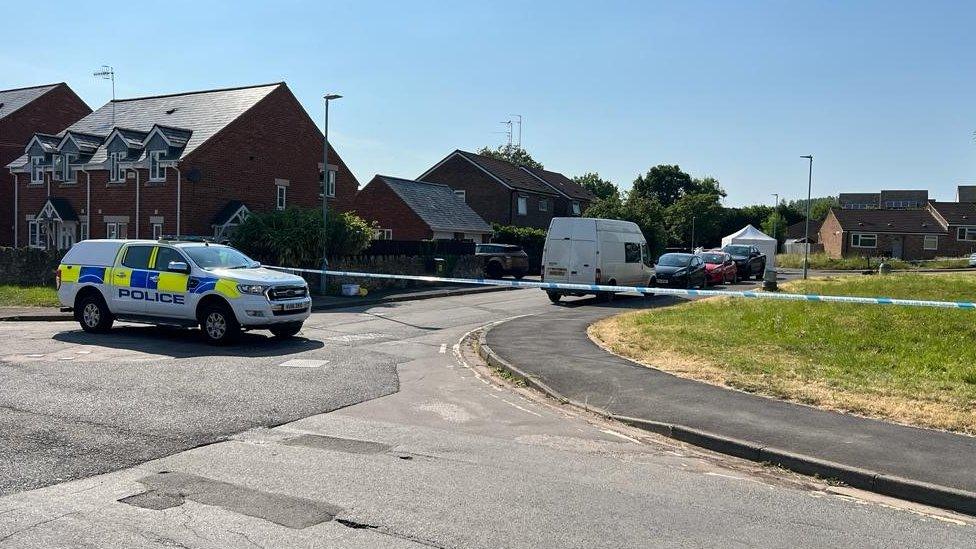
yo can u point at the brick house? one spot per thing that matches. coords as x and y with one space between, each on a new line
23 112
901 224
403 209
190 164
502 192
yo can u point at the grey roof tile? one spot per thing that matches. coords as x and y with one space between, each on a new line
437 205
12 100
511 174
888 221
564 184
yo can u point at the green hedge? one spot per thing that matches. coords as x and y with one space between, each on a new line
531 240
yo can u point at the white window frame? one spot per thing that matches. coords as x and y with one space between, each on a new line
522 205
281 197
157 172
577 208
462 194
33 234
83 230
116 171
925 242
157 231
112 229
966 234
543 204
859 236
382 234
37 170
68 175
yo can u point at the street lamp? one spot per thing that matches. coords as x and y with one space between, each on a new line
806 238
776 219
325 192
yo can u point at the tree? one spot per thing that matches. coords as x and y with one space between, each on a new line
819 206
666 183
293 237
700 212
511 153
645 212
602 188
775 226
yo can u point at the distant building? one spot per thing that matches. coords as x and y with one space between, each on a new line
189 163
502 192
901 224
24 112
404 209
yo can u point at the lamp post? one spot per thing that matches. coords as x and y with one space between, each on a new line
776 219
806 237
325 192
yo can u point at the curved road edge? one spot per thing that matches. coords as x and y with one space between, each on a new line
953 499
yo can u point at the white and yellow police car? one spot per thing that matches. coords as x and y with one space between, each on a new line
179 283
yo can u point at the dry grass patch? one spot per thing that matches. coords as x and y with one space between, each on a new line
910 365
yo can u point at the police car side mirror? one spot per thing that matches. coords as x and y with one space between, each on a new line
178 267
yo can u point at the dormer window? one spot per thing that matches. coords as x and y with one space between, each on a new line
37 169
330 189
157 172
116 173
63 170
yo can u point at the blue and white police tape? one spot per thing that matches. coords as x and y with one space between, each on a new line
593 288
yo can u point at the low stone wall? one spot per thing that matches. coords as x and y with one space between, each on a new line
463 266
28 266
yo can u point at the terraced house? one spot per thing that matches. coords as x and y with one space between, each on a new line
186 164
502 192
23 112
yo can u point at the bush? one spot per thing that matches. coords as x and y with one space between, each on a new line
820 260
293 237
531 240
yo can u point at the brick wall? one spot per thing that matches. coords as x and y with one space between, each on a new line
376 202
950 246
50 113
832 237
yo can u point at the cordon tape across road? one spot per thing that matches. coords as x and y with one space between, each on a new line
649 290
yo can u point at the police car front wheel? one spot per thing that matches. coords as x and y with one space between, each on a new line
219 325
94 315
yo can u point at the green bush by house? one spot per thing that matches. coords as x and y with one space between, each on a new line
294 237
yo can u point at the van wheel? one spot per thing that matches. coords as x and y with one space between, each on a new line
286 330
554 296
219 325
93 315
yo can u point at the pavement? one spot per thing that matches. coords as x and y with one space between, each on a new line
440 454
930 466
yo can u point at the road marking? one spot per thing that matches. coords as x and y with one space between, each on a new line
83 352
304 363
620 435
515 405
34 356
356 337
443 348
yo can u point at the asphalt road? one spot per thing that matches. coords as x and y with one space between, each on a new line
445 459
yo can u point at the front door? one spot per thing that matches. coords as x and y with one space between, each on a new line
896 245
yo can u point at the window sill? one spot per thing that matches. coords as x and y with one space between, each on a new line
39 184
64 184
111 184
154 183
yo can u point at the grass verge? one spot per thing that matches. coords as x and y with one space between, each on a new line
821 261
29 296
911 365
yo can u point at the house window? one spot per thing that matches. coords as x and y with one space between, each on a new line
116 172
632 252
863 240
383 234
281 200
63 170
523 205
157 231
461 194
458 236
157 172
966 233
83 230
37 169
331 189
33 234
543 204
577 210
111 230
931 242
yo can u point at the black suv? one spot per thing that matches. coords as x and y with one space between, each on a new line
503 259
749 261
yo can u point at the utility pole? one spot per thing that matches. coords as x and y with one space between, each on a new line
806 238
325 194
692 234
108 73
776 219
508 131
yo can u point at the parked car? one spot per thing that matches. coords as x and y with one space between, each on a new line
719 267
595 251
972 260
503 259
681 270
748 260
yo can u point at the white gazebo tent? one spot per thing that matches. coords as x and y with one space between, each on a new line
751 236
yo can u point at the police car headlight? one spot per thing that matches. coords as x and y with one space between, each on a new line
254 289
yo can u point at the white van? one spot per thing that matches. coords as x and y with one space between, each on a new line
595 251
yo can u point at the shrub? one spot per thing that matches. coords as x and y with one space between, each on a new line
293 237
531 240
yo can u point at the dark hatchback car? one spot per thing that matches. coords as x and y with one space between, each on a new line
681 270
503 259
748 260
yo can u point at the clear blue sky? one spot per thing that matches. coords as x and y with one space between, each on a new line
882 93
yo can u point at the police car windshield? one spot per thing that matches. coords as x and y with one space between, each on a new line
218 257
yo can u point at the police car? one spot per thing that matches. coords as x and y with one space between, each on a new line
179 283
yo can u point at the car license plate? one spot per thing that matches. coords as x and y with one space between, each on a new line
294 306
557 271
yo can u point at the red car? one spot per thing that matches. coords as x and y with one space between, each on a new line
719 267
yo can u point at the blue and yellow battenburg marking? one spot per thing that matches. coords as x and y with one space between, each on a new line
161 281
